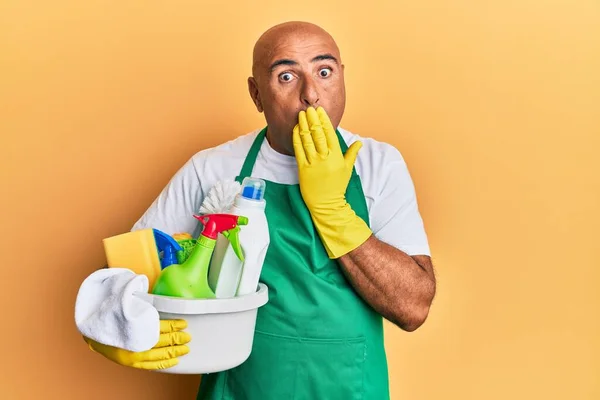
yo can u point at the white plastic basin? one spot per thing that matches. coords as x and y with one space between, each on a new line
222 330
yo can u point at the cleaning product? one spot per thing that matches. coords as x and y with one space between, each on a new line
168 247
136 251
229 275
187 243
190 279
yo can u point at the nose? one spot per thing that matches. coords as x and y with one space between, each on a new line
309 94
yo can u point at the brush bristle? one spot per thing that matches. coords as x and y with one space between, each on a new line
220 197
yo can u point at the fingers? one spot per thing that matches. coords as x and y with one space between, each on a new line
316 130
314 136
153 365
172 325
305 136
163 353
303 122
172 339
298 147
329 130
351 153
155 358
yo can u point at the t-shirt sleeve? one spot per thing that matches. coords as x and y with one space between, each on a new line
394 215
172 211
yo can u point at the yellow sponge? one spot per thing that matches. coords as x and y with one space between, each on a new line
136 251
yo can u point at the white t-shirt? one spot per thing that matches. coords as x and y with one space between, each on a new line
389 191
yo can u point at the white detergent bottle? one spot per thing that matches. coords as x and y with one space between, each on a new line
229 276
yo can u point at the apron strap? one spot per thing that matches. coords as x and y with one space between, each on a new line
255 149
344 147
251 157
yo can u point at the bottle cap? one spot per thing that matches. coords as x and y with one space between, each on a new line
253 188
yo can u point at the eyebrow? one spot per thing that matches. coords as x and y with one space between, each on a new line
325 57
283 61
287 61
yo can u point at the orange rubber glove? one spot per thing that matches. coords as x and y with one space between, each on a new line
323 174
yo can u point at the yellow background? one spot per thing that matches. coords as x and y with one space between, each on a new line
494 104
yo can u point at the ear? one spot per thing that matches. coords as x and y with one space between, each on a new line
254 94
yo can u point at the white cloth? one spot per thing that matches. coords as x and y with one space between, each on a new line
389 190
107 310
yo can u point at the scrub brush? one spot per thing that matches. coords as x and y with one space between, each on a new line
220 197
218 200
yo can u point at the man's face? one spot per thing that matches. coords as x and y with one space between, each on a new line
294 71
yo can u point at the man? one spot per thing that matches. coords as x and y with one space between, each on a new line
349 247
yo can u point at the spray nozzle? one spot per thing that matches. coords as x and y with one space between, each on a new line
233 236
226 224
218 223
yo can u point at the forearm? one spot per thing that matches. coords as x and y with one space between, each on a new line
392 282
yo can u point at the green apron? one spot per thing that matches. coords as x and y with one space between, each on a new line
315 339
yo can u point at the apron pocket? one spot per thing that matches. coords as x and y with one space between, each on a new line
289 368
269 372
331 369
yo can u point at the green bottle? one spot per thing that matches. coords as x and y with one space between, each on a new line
190 278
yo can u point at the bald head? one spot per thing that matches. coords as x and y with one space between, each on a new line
295 65
282 33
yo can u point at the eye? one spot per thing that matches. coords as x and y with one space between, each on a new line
286 77
324 72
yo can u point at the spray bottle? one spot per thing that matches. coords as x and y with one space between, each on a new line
230 275
190 279
168 247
